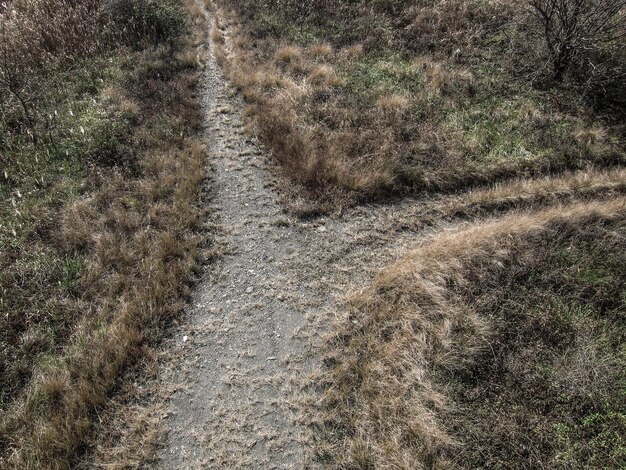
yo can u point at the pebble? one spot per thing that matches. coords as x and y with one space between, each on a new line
249 290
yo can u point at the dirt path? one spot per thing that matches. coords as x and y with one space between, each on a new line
243 355
240 365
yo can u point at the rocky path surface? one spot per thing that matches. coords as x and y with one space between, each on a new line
238 367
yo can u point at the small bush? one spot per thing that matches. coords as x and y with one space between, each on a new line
575 28
583 39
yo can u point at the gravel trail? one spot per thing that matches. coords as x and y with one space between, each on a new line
240 364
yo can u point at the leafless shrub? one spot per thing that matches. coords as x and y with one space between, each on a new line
576 29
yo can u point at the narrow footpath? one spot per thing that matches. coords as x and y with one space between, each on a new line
239 366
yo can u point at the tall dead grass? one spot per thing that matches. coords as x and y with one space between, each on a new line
38 32
385 404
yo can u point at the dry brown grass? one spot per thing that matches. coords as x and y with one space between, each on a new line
514 195
324 76
533 192
321 51
289 54
138 232
35 33
353 51
387 401
394 103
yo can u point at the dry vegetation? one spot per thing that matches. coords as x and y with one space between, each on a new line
364 99
500 346
100 223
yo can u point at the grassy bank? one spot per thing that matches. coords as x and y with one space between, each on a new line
498 346
100 224
365 99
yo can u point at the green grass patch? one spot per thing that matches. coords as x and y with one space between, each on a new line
392 73
496 129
